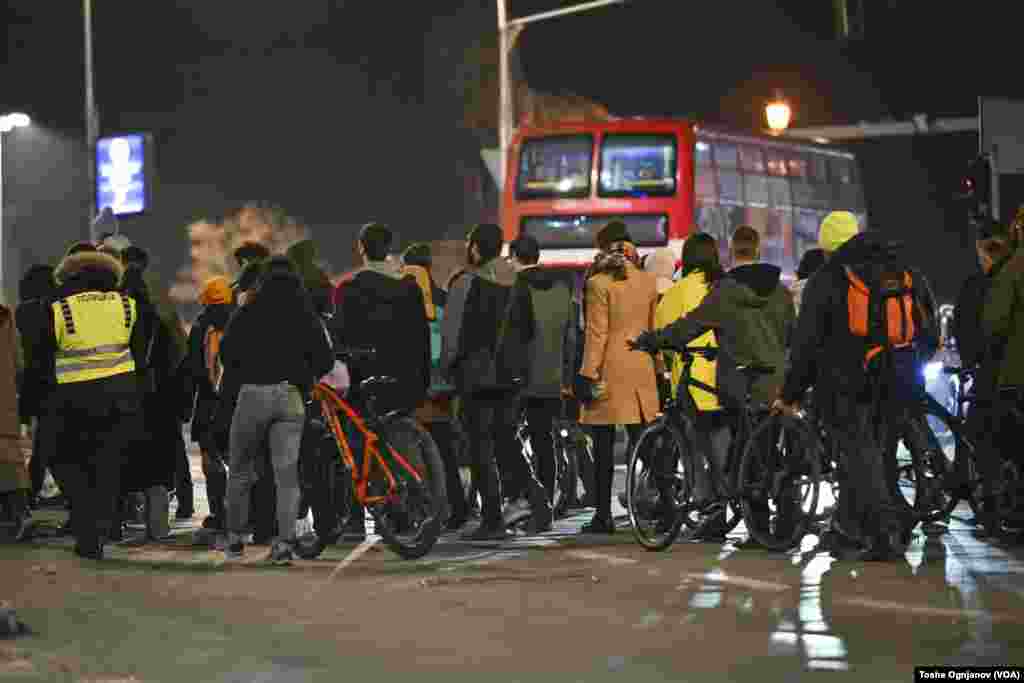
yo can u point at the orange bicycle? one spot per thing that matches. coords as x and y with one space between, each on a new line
397 474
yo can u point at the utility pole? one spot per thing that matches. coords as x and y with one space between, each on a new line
92 118
508 31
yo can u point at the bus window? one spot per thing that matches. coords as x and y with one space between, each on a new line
729 186
702 153
555 167
778 188
818 169
755 190
580 231
704 184
751 159
726 155
638 165
776 162
797 167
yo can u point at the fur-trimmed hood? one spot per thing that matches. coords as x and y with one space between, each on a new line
89 270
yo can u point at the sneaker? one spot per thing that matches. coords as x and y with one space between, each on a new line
91 553
24 528
234 551
516 511
281 554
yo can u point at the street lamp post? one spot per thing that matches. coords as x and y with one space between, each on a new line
92 119
7 123
508 31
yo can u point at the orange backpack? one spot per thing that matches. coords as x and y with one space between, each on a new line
883 307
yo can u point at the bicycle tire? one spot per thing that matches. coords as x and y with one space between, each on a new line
639 485
329 478
400 433
758 486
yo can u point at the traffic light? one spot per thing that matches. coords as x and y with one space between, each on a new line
976 185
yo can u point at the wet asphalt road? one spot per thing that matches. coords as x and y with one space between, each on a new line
696 612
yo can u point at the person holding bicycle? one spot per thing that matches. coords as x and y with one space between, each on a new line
751 313
863 378
272 396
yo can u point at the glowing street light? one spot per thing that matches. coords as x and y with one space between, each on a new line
8 122
778 114
15 120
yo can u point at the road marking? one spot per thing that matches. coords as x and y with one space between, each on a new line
743 581
610 559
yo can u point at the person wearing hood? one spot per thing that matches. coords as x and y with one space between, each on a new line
474 357
827 355
544 314
751 313
97 337
273 390
217 299
379 308
615 385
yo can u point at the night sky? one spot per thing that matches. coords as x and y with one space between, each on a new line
347 111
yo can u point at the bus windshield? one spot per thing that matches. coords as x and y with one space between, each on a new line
638 166
556 166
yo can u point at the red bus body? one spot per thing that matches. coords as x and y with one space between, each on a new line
667 178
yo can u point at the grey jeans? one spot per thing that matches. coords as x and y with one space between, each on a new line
271 413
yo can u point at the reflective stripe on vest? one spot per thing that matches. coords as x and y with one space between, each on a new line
93 331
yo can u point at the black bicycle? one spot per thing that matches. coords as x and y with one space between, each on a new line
674 487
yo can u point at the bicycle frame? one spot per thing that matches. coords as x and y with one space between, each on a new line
331 404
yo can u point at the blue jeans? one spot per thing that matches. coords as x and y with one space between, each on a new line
271 413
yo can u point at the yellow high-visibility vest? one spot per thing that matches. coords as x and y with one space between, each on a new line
93 332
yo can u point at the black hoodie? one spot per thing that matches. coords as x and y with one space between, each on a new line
825 354
752 314
378 308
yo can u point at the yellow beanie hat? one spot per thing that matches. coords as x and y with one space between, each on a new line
836 230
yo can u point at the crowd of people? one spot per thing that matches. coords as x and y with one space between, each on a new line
110 376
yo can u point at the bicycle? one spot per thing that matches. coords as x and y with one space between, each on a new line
661 475
570 444
398 476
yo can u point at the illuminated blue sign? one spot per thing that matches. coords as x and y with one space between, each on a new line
121 174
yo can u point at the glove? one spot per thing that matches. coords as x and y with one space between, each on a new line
588 390
646 342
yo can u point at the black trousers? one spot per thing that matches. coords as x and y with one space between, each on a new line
540 415
215 471
92 470
183 486
490 426
866 508
444 435
604 464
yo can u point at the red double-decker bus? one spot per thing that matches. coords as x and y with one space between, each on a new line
666 178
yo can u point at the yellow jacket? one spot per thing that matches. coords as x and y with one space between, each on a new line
684 296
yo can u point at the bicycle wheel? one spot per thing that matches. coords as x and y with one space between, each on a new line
327 485
657 485
410 522
780 480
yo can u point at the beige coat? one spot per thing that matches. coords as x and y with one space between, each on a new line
13 470
617 311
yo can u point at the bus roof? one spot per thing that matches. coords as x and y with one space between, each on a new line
641 123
